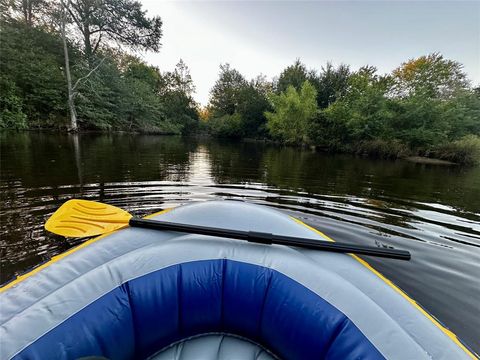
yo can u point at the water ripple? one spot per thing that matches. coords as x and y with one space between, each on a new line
353 200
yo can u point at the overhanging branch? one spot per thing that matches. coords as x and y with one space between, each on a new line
87 76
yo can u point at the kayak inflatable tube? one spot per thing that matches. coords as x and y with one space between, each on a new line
148 294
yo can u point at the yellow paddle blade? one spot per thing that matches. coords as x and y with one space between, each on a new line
81 218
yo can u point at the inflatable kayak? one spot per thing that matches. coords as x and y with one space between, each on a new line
148 294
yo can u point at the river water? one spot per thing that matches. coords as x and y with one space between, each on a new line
432 211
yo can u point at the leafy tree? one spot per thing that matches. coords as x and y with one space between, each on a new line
180 109
463 114
228 125
11 106
362 113
434 104
430 76
120 21
420 122
234 95
133 67
253 102
123 93
368 112
31 64
331 84
425 122
294 75
224 96
176 90
292 113
329 131
103 100
180 79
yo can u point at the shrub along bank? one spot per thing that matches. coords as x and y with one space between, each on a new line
424 107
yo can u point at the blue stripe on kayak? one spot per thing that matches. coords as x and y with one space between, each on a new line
148 313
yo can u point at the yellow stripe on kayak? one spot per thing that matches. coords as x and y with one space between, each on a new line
56 258
447 332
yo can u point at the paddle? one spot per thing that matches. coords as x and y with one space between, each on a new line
83 218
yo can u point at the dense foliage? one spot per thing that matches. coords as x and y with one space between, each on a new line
237 106
114 90
121 21
426 106
294 110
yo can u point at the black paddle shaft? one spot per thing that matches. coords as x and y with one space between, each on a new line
267 238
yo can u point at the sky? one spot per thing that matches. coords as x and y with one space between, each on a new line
264 37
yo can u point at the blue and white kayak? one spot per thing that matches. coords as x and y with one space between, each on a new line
148 294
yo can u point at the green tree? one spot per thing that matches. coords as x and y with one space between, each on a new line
252 105
228 125
11 106
292 113
123 93
363 113
294 75
176 90
243 102
463 114
420 122
331 83
31 63
120 21
434 103
103 98
430 76
224 96
179 80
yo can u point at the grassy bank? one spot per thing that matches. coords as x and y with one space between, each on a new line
465 151
462 152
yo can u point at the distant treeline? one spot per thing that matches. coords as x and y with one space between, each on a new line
426 106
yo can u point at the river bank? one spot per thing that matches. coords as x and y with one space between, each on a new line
465 152
426 106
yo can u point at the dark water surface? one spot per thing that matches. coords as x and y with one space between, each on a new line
432 211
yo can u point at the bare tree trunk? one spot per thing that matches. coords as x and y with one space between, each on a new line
27 11
71 92
88 47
